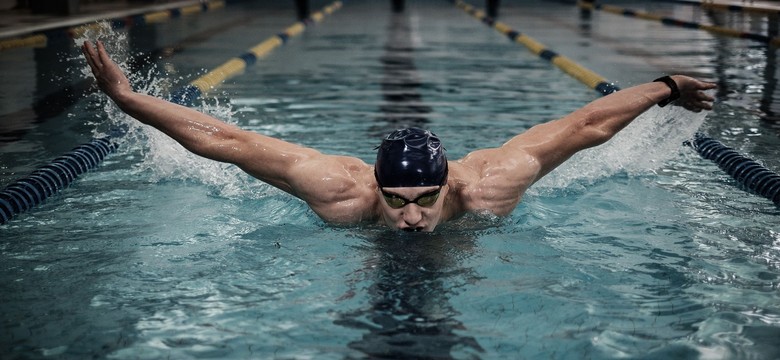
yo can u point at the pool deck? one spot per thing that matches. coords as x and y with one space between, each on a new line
747 6
21 22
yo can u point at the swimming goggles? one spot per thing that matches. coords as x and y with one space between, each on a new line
425 200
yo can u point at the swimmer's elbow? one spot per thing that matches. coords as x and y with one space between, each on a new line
594 127
222 146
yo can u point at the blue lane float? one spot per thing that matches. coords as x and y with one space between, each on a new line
25 193
747 172
770 40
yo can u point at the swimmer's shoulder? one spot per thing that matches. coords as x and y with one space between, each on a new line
348 194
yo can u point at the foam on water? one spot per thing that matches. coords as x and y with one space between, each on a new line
165 159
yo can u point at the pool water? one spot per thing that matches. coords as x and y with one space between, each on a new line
637 249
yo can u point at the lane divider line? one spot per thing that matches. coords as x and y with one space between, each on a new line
584 75
749 174
206 83
718 30
731 7
739 8
25 193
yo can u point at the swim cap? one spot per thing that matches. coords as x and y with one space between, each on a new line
411 157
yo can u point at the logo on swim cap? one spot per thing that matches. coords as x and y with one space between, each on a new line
411 157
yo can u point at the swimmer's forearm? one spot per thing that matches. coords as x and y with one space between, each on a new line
612 113
264 157
591 125
553 142
196 131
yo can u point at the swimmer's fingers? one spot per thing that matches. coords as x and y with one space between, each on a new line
103 55
91 56
707 85
693 94
98 58
109 76
703 96
698 99
688 85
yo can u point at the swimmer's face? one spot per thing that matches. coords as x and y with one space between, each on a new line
412 208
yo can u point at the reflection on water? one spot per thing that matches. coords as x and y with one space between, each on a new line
403 106
412 277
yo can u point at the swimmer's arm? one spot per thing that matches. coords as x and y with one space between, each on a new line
269 159
554 142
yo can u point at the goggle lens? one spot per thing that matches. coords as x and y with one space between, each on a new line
424 200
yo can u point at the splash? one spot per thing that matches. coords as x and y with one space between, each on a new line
115 43
162 158
645 145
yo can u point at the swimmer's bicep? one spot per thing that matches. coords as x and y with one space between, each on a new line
268 159
554 142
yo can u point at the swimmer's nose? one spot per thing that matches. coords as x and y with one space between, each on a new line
412 216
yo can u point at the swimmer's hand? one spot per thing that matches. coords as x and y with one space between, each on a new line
692 93
110 78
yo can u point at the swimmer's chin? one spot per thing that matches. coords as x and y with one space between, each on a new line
472 220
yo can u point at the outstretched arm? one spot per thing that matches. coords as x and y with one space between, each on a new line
198 132
554 142
318 179
500 176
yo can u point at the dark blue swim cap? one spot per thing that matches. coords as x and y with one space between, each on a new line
411 157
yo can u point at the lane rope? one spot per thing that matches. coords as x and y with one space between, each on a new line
206 83
584 75
730 7
718 30
748 173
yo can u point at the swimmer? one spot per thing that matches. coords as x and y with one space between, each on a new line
412 186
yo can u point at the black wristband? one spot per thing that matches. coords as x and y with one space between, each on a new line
672 85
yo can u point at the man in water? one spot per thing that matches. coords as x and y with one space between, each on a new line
412 186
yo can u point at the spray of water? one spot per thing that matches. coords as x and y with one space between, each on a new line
641 148
162 158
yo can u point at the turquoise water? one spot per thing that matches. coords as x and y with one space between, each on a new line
639 249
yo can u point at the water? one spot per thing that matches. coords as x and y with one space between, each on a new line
639 249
